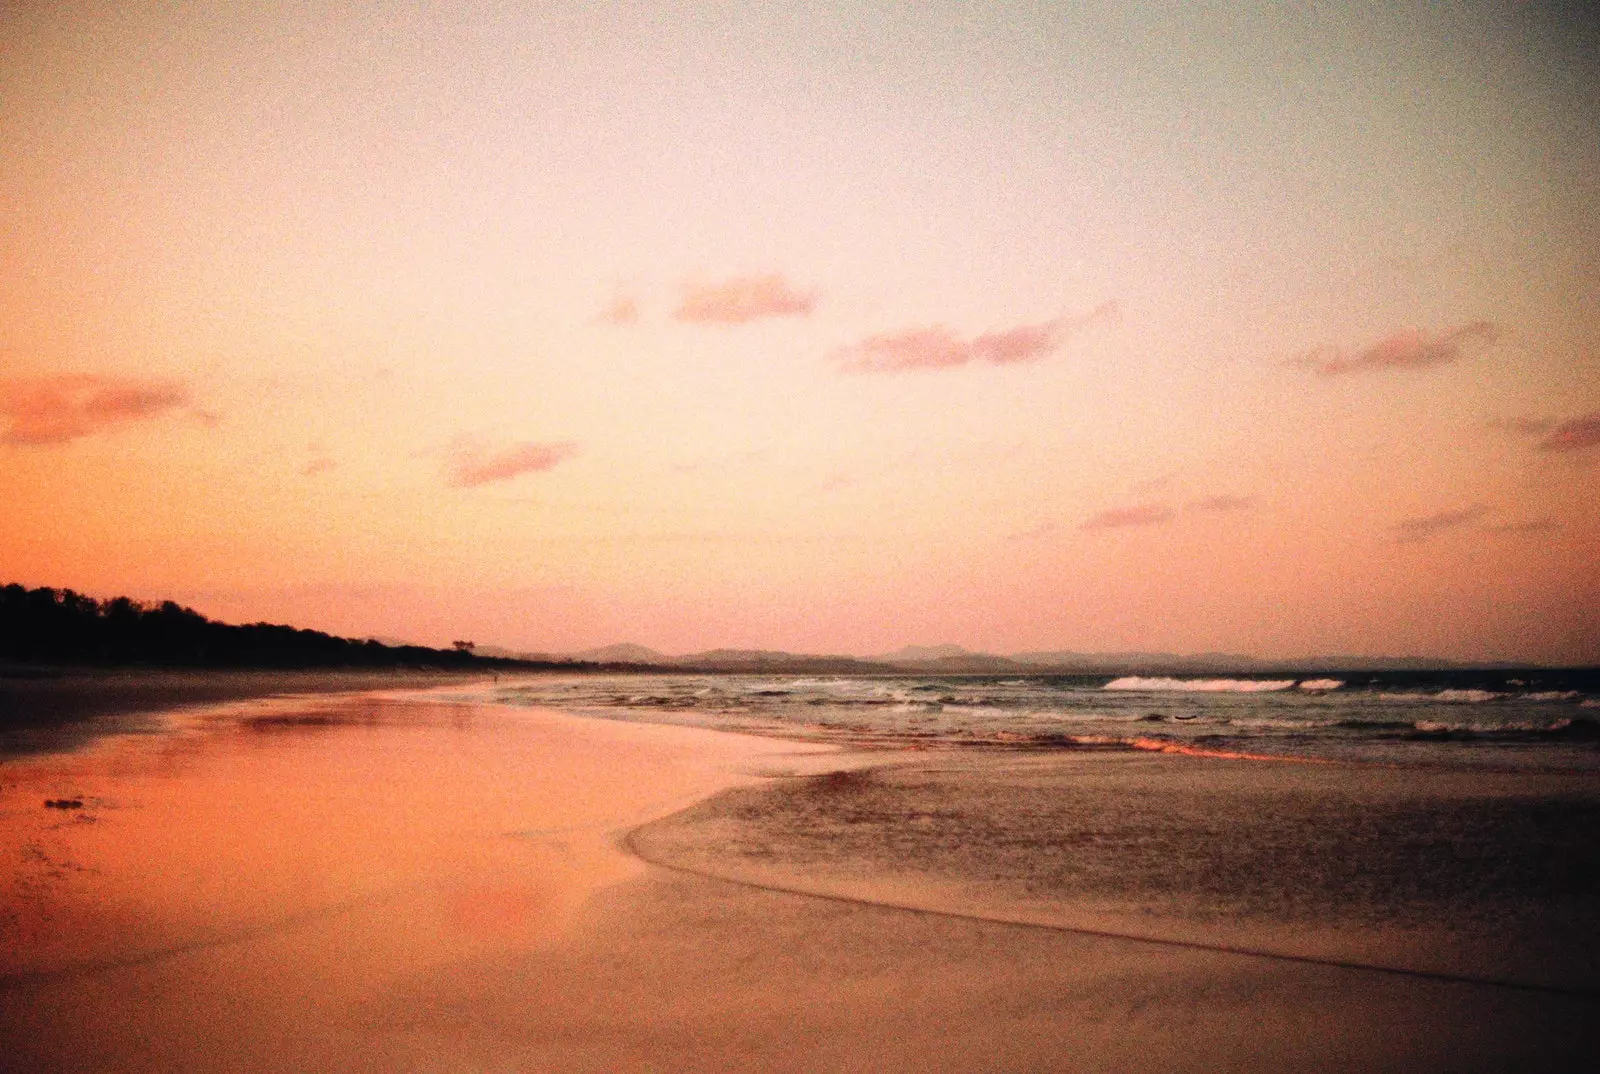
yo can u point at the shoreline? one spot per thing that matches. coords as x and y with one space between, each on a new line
404 882
46 710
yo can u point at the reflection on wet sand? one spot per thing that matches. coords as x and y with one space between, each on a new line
335 846
378 883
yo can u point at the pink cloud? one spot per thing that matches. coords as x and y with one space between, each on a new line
1146 514
1523 426
57 409
1420 529
620 312
917 348
1410 348
1543 524
744 299
473 466
937 347
1574 435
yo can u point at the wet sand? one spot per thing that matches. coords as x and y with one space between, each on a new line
1475 874
379 883
45 710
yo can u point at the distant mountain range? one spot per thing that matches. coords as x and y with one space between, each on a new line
956 660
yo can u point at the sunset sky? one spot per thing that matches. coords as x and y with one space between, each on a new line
826 327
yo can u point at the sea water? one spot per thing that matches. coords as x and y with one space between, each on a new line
1522 720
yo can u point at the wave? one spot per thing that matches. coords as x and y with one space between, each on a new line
1467 697
1558 730
1321 684
1453 697
1199 686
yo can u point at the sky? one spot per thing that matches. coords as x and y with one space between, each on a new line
829 327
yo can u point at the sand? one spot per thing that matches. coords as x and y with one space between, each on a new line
45 710
411 883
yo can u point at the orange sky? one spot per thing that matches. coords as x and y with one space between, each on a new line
834 327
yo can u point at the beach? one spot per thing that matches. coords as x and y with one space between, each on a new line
422 881
52 709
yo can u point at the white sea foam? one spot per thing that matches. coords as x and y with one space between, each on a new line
1321 684
1199 686
1434 727
1550 695
1467 697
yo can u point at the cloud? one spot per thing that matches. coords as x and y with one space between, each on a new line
743 299
317 466
1574 435
1523 426
58 409
937 347
1410 530
1543 524
1221 503
621 312
1146 514
471 466
1410 348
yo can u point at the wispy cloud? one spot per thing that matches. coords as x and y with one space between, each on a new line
470 465
1411 530
58 409
1145 514
1221 503
1574 435
620 312
1410 348
1543 524
938 347
1523 426
744 299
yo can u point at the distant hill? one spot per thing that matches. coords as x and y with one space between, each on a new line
965 664
950 659
1140 661
625 653
1216 663
771 660
918 654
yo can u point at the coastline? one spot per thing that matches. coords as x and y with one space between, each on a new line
371 881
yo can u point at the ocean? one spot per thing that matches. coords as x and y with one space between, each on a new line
1523 720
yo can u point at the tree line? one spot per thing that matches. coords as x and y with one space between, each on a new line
59 626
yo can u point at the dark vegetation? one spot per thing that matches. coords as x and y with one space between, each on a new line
59 626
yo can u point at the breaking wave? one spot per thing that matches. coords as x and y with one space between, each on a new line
1200 686
1548 719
